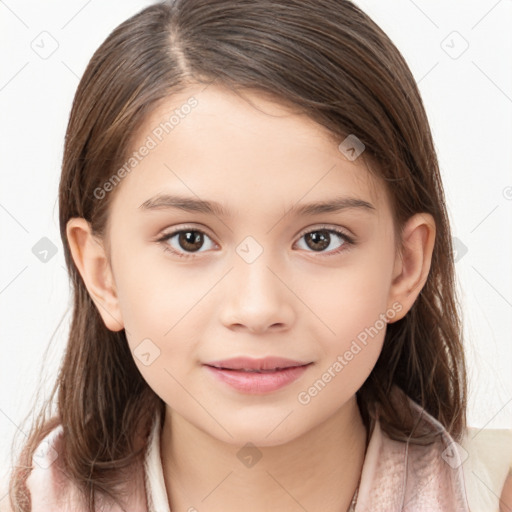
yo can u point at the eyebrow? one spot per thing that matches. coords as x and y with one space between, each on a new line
189 204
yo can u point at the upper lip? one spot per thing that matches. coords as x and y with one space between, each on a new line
248 363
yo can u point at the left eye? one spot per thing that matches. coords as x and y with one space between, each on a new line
321 239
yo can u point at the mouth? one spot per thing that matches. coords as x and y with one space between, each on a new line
255 378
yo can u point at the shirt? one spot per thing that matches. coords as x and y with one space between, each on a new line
396 475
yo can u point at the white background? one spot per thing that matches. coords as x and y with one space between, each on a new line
469 103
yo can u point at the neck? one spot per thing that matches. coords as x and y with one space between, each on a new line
319 470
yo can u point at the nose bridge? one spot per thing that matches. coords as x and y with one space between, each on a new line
257 298
253 278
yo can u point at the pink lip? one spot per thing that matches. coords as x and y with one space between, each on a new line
277 374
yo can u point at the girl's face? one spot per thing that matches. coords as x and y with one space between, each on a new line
256 272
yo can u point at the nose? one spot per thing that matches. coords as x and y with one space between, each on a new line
256 298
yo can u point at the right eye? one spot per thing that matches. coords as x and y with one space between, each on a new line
184 242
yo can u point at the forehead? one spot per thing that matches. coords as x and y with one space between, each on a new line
246 152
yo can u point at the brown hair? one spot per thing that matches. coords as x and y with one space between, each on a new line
331 61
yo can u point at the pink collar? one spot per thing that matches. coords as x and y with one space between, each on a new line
396 477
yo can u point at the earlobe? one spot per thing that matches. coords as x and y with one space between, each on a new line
91 261
412 264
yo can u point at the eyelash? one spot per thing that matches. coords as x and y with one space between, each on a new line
348 240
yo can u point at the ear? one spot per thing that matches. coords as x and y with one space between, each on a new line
412 263
92 262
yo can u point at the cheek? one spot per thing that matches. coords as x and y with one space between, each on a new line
160 304
350 298
351 302
349 338
155 293
158 331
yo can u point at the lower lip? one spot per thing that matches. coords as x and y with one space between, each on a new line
258 383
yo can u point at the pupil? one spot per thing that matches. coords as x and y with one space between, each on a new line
322 240
187 240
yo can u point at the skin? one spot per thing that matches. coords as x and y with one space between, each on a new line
291 301
506 494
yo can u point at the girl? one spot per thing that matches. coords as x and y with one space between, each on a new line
264 307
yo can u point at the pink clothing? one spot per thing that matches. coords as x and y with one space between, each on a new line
396 476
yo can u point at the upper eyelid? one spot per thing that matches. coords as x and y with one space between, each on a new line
327 227
175 231
201 229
